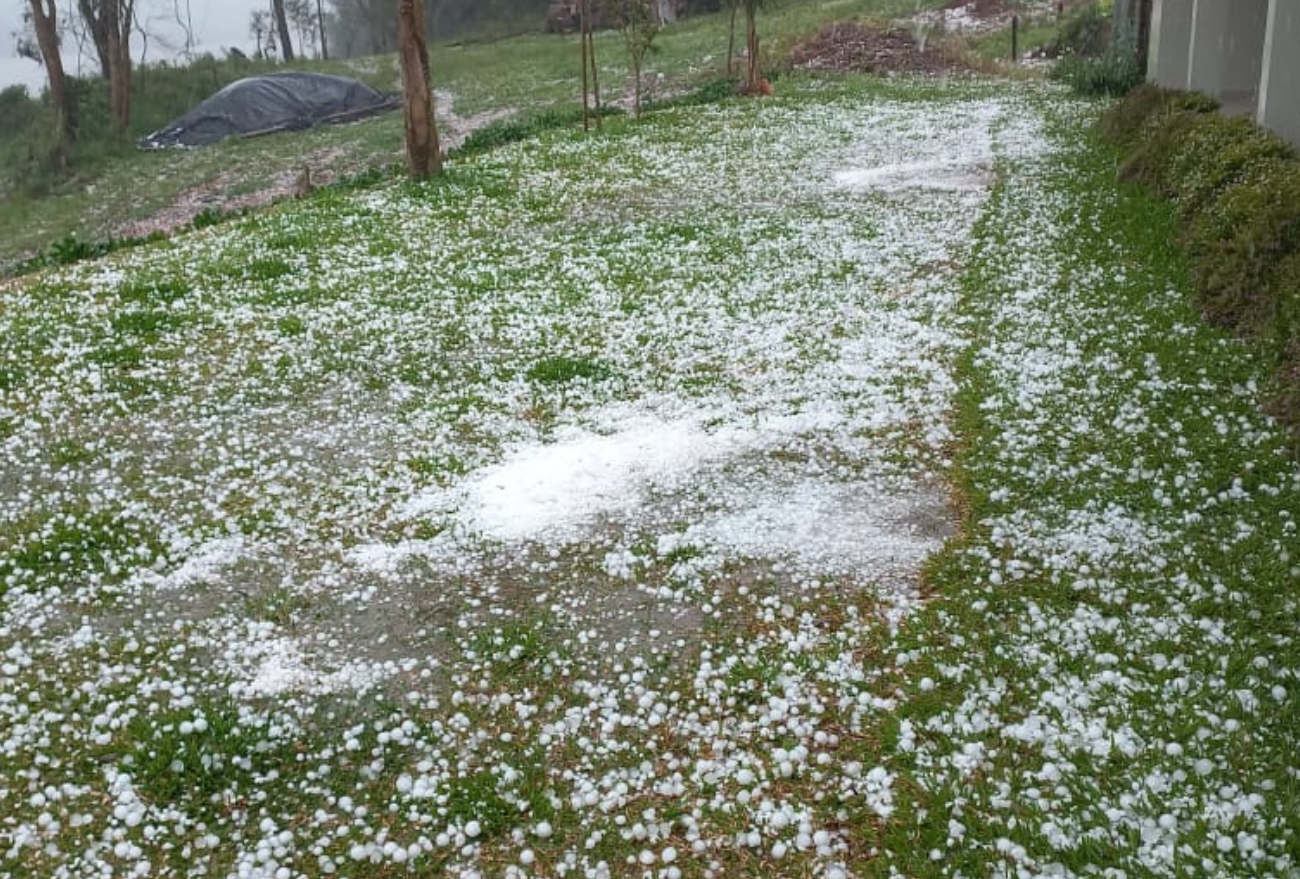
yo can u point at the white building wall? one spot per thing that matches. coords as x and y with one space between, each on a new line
1171 38
1279 91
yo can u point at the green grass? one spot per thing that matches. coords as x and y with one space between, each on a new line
533 76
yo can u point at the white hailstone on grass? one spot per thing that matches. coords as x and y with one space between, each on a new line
542 829
646 857
473 829
526 857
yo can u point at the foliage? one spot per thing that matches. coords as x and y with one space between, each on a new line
1126 121
638 23
1113 73
1088 33
1237 191
1094 60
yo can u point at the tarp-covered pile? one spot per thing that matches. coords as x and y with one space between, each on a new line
271 103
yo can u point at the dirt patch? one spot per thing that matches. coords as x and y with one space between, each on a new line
856 47
227 192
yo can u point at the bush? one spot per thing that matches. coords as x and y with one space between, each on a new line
1215 153
1087 34
1129 120
1237 189
1145 163
1239 243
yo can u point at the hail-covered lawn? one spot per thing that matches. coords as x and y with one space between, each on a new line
571 516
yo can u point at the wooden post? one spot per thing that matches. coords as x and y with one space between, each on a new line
1015 38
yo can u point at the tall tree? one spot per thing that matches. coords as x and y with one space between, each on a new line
185 21
590 82
754 84
320 24
423 156
92 14
110 23
259 28
282 26
45 16
731 36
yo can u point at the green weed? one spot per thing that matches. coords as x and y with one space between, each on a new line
559 370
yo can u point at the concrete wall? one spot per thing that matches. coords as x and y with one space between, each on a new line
1279 93
1245 53
1171 40
1227 45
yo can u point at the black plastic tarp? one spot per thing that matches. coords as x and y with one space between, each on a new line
271 103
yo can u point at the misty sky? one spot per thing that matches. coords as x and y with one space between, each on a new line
217 24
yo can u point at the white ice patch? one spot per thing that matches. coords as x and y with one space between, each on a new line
207 561
851 528
270 665
553 490
930 175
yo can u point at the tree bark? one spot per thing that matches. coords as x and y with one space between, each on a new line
423 156
282 27
320 24
595 80
109 23
117 24
45 17
586 75
93 12
753 84
731 40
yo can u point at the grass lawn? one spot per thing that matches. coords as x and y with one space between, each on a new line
830 485
117 195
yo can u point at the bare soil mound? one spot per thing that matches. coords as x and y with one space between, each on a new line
851 46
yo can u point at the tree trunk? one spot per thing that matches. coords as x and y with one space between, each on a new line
423 156
320 23
731 40
45 17
117 24
636 86
753 84
282 27
586 77
93 13
595 81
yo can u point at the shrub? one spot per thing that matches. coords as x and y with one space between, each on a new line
1146 164
1086 34
1127 121
1240 240
1237 189
1214 153
1112 74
